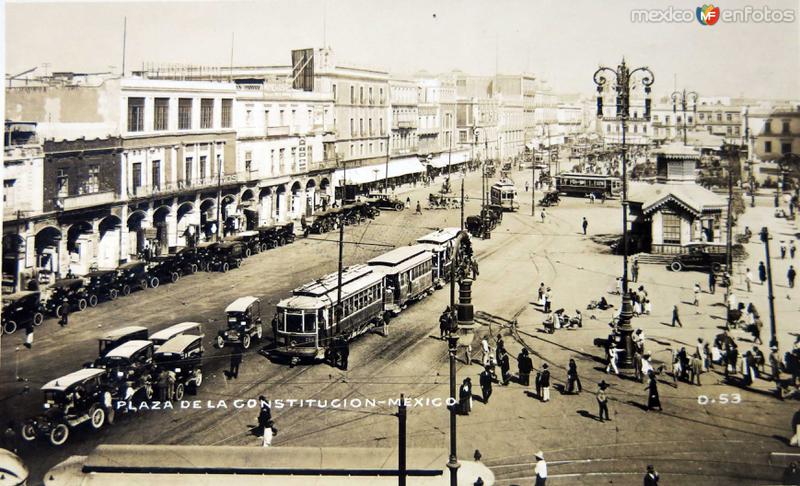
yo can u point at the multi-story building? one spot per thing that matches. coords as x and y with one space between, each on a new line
438 146
404 139
718 116
477 115
571 120
639 130
775 134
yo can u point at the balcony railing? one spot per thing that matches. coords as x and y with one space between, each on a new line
404 124
283 130
86 200
428 130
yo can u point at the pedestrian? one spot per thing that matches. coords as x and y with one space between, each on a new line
747 368
611 353
408 202
525 365
775 364
343 352
236 361
748 279
65 309
700 349
162 386
543 214
465 396
545 383
602 401
419 208
792 249
696 368
444 323
758 362
697 291
790 275
572 377
265 421
677 369
29 335
540 469
653 400
487 351
504 367
585 225
783 250
526 186
486 384
762 272
635 270
651 477
540 298
712 282
756 330
547 302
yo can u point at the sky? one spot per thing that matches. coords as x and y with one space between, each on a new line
561 41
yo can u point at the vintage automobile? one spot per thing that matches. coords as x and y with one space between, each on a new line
205 254
182 355
244 323
120 336
286 234
21 309
477 227
700 256
101 285
355 213
72 289
384 201
163 268
81 396
130 369
164 335
250 239
550 198
325 221
227 255
132 275
188 260
494 211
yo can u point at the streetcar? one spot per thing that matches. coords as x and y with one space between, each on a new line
440 244
408 273
582 185
504 194
305 325
190 465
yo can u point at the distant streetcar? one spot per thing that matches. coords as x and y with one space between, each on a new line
504 194
582 185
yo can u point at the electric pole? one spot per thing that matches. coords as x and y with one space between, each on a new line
773 342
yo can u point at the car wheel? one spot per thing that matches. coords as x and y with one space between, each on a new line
148 392
676 266
59 310
247 253
399 207
28 432
716 267
126 289
59 434
110 415
198 378
259 333
81 304
154 282
179 391
10 327
262 247
193 268
98 417
38 318
173 277
92 300
225 267
281 241
220 342
246 341
113 294
143 283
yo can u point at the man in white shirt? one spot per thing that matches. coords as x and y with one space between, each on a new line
540 469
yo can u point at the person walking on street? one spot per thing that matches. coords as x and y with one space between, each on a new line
775 364
540 469
584 225
526 186
651 477
697 291
602 401
748 279
29 335
465 396
525 365
486 384
541 294
676 318
547 302
487 351
790 276
419 208
545 383
236 360
64 312
265 421
783 250
543 214
762 272
612 358
696 368
653 400
792 249
444 323
505 368
408 202
712 282
635 270
572 378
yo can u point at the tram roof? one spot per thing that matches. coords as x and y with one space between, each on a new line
503 183
315 295
397 256
441 236
588 176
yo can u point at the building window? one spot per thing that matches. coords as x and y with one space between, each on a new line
203 168
135 114
334 93
383 100
671 227
361 94
786 147
9 193
293 158
768 147
352 127
736 130
161 114
352 95
227 107
381 147
361 149
282 114
370 126
184 114
383 129
92 182
701 116
281 158
371 99
62 183
768 126
266 118
361 126
370 148
136 176
248 161
156 173
785 128
719 117
206 113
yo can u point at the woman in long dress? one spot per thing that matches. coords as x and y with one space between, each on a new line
652 393
465 396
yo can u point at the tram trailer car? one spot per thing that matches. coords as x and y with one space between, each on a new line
440 244
305 323
581 185
504 194
408 274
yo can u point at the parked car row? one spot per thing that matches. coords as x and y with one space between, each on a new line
31 307
355 213
128 367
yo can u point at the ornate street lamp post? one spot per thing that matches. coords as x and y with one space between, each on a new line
623 77
683 98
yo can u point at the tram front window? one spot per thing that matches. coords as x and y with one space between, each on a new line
310 323
294 322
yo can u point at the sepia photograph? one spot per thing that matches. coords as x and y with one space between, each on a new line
412 243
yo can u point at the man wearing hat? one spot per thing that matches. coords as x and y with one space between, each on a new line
651 477
540 469
775 364
602 401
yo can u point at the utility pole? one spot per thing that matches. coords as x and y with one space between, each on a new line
386 176
338 309
401 458
729 226
124 41
773 342
219 192
533 182
462 202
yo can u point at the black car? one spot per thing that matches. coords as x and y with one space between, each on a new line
188 260
121 336
130 369
251 241
163 268
102 285
550 199
131 276
21 309
183 356
69 401
70 288
385 201
227 255
244 323
325 221
701 256
286 234
477 227
205 254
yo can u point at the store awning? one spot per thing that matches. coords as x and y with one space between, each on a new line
373 173
453 158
